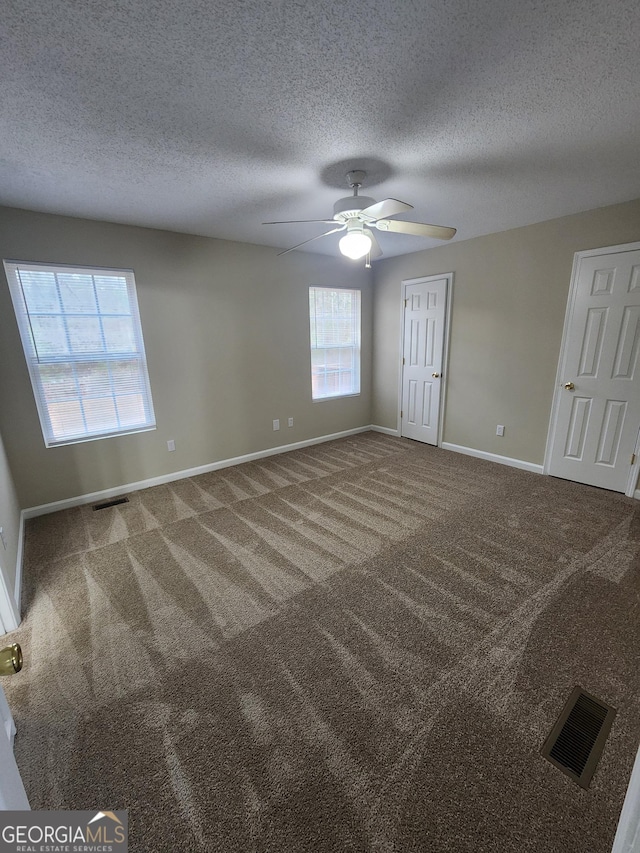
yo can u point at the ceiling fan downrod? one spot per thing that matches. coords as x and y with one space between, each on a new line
355 179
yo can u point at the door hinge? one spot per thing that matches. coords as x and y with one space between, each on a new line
401 414
633 458
406 302
403 360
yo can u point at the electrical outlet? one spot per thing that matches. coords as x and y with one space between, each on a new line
290 422
171 445
276 424
500 430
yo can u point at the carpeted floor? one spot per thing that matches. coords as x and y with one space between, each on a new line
359 646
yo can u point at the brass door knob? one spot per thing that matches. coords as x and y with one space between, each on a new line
435 375
569 386
10 659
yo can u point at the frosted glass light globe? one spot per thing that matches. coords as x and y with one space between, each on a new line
355 245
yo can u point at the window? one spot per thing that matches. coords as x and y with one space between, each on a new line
335 342
82 339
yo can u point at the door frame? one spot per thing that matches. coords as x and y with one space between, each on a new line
634 470
406 282
9 615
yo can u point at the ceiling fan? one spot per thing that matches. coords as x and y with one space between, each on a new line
357 215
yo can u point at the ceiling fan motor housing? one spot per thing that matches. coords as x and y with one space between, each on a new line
350 206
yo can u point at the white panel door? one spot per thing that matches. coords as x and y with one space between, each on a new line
423 342
597 402
12 793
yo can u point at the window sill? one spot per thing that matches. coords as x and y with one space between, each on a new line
335 397
85 439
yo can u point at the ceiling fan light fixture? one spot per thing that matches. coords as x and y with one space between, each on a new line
355 244
357 214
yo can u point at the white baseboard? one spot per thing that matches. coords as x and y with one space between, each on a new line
105 494
384 430
494 457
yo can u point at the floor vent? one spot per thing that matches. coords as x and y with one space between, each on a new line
114 502
576 741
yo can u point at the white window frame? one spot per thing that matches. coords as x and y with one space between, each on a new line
354 347
34 360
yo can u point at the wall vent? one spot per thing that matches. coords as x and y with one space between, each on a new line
576 741
114 502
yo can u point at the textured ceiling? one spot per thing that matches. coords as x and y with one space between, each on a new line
210 116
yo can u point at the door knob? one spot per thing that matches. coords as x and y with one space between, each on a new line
10 659
435 375
569 386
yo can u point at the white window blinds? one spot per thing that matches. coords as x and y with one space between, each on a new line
82 339
335 342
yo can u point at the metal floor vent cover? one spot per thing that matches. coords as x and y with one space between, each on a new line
114 502
576 741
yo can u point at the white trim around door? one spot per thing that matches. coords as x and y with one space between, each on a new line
9 612
405 284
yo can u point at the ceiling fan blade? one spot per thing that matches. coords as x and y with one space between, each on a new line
386 207
297 221
317 237
418 229
375 251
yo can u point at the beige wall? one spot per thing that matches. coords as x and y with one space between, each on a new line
510 292
9 522
226 330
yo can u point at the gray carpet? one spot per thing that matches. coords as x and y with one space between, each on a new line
359 646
